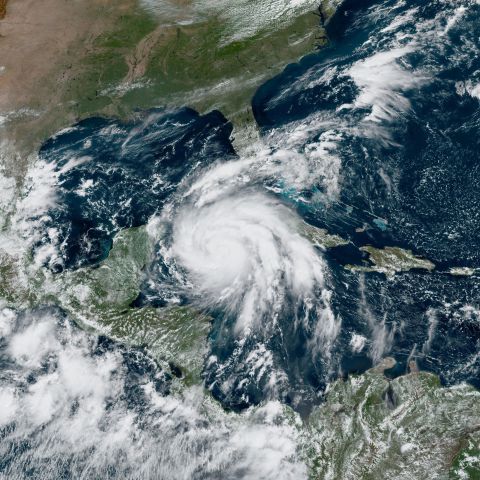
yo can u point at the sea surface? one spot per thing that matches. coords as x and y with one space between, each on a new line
374 138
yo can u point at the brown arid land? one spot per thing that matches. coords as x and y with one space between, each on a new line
64 60
3 8
37 37
41 47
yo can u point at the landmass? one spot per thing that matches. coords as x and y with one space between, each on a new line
175 336
371 427
64 61
462 271
322 238
3 9
391 260
99 300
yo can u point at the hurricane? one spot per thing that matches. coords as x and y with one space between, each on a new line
250 250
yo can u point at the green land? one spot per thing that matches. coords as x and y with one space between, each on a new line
392 260
411 427
369 427
128 58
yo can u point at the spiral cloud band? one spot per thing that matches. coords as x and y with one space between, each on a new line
245 254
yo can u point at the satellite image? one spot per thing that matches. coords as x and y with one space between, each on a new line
240 239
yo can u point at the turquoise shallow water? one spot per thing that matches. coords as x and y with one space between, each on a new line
395 91
374 138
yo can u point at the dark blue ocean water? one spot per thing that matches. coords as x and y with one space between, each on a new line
409 178
429 152
133 167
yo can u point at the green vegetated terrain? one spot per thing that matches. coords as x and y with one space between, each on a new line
175 336
99 299
140 60
142 64
391 260
370 427
411 427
